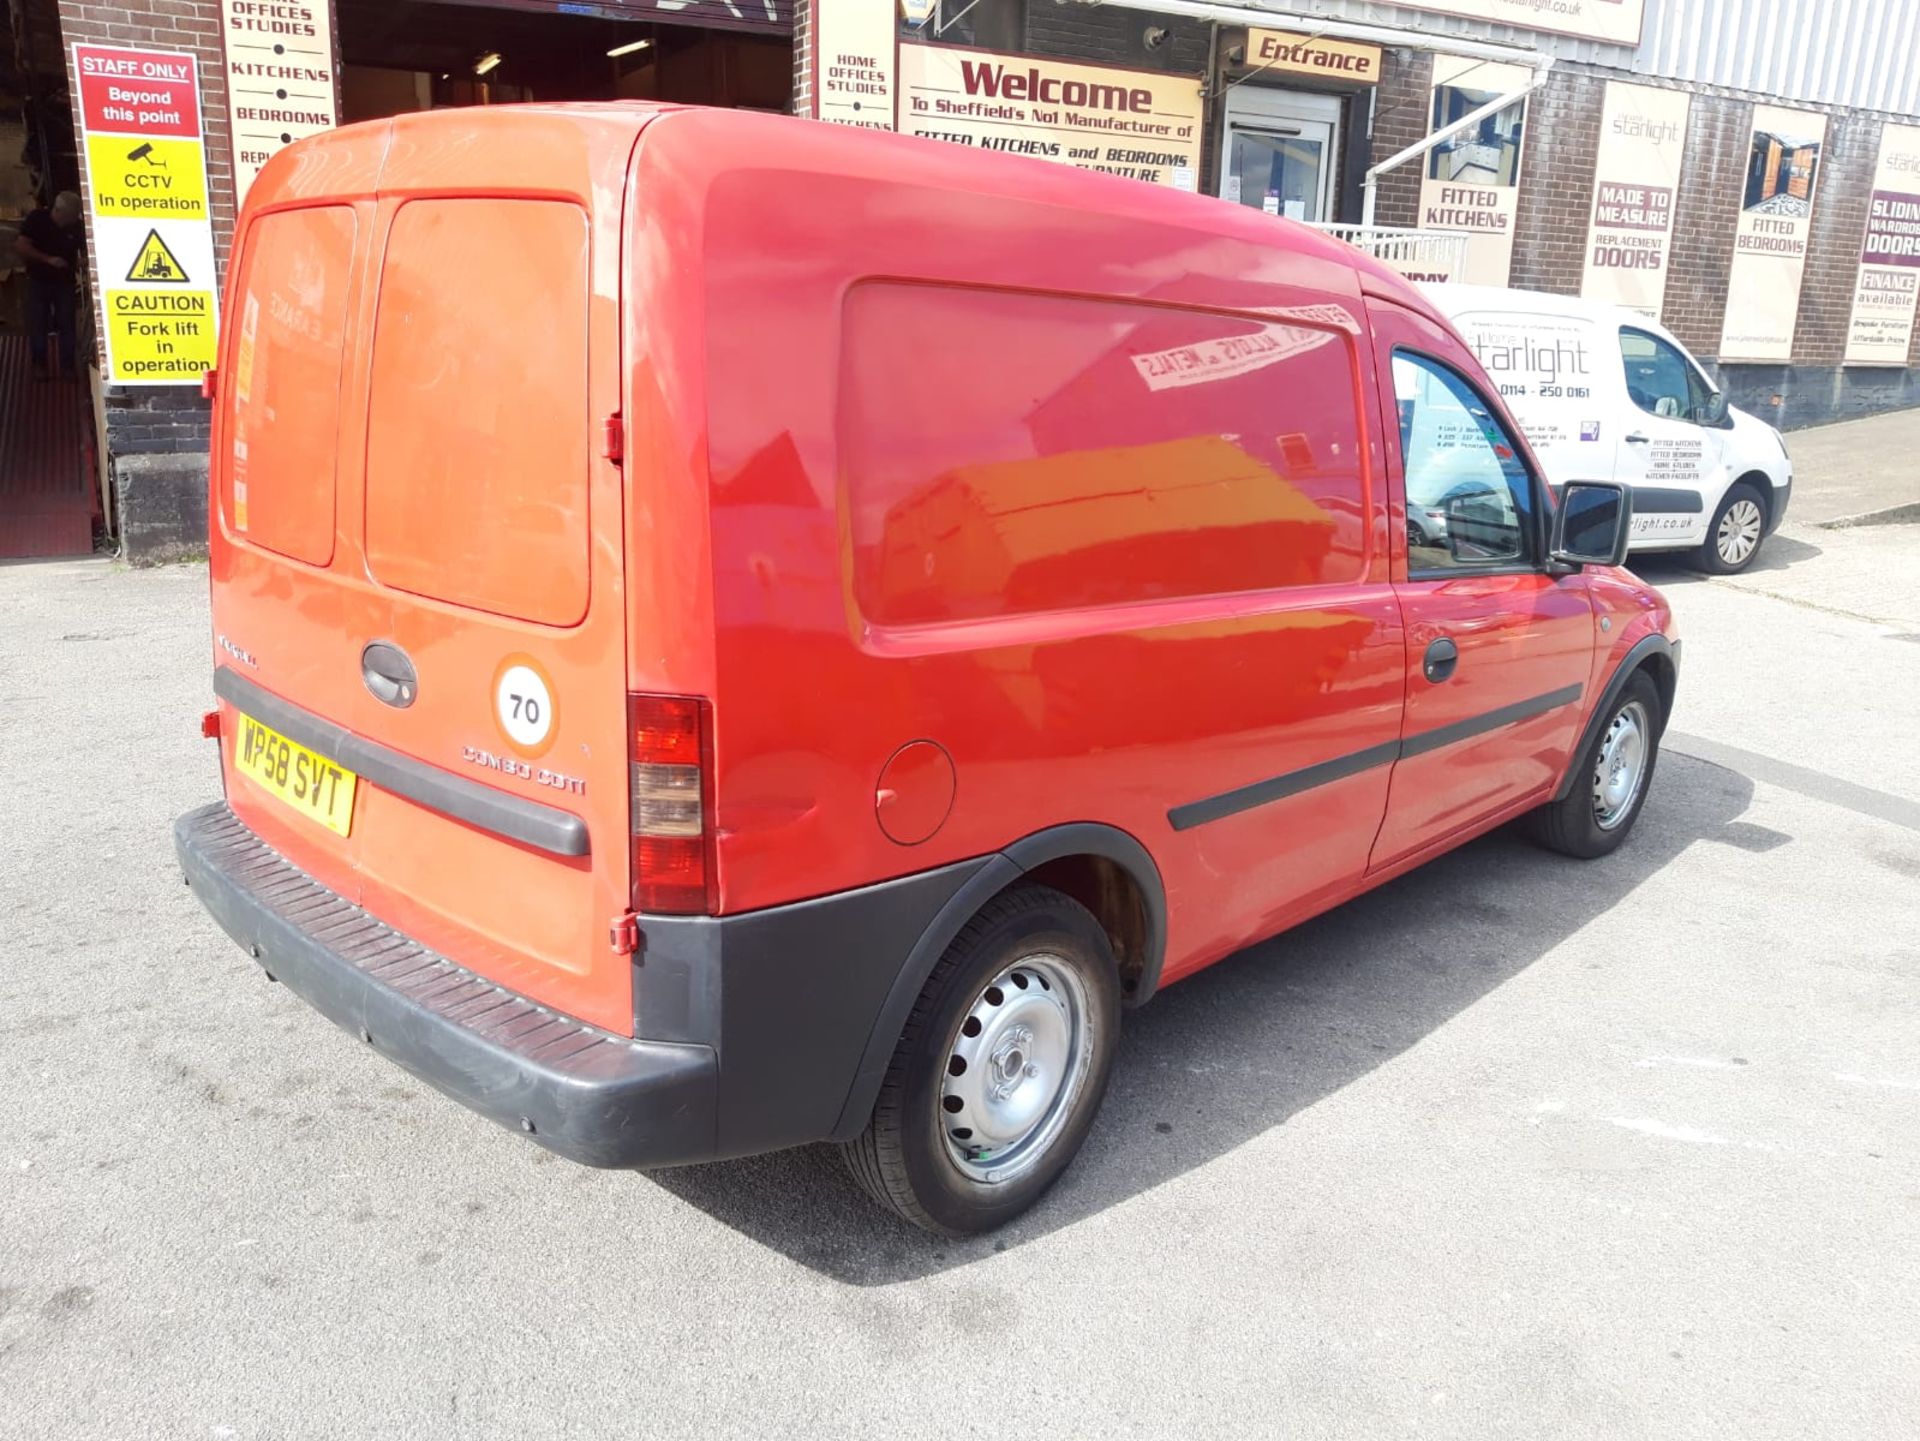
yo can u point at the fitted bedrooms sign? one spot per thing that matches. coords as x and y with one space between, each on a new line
1784 153
1885 295
1643 133
152 225
1141 124
280 81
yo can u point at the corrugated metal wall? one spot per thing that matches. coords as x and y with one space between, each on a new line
1860 53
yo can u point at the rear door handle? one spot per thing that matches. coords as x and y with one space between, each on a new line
389 674
1637 438
1442 656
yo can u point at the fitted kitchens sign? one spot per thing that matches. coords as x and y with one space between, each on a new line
1472 180
1141 124
280 78
1770 240
152 223
1643 134
1884 297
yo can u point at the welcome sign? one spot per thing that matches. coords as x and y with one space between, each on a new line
1885 295
1143 124
1643 134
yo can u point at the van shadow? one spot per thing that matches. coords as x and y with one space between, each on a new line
1238 1049
1778 552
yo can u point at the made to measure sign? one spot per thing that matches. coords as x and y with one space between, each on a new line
1643 134
1141 124
1888 288
280 81
152 226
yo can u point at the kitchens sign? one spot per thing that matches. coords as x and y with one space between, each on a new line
1143 124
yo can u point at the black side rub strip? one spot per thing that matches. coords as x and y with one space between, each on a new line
1260 793
546 828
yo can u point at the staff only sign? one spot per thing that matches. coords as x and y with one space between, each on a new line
1138 123
152 229
279 78
1643 132
1770 238
1885 295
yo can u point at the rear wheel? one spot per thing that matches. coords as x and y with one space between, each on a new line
1733 540
1001 1069
1611 784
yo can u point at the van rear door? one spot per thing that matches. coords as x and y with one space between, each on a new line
479 661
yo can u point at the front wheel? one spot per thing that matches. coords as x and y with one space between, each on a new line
1001 1069
1733 540
1611 783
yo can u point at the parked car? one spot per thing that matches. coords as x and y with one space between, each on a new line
1604 392
834 618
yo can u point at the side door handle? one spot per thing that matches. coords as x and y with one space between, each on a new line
1639 438
1442 656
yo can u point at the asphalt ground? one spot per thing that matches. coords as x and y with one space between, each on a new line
1515 1146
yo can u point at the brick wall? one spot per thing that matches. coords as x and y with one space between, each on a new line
163 419
803 57
1400 119
1843 188
1103 36
1713 176
1556 183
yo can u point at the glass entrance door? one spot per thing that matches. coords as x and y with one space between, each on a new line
1280 153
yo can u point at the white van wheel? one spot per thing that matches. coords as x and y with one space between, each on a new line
1739 525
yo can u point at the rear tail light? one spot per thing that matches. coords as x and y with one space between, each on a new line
670 766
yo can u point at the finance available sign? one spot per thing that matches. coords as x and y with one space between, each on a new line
1141 124
280 80
1888 288
1643 136
146 180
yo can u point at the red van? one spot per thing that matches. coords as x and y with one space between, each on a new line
733 632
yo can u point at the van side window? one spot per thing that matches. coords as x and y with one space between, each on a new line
1014 454
1659 379
1469 495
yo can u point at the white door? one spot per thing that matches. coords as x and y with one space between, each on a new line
1675 464
1280 152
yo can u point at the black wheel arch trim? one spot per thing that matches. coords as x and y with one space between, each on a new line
1001 870
1636 657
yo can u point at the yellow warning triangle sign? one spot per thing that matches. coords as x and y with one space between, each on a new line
156 263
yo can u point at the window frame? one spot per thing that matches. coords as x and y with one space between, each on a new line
1542 509
1695 377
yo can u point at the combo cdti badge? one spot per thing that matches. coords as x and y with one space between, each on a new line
733 632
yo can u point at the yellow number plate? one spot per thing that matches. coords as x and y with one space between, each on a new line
310 783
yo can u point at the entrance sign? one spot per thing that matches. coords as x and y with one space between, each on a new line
1615 21
1472 181
1770 238
280 80
152 228
1643 134
1884 297
1143 124
853 52
1281 50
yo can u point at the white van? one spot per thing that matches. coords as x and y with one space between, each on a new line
1604 393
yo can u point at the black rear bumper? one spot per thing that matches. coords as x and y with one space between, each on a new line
593 1097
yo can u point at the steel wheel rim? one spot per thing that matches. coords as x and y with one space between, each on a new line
1739 531
1015 1068
1621 768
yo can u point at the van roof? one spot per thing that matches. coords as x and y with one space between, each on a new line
1455 298
476 146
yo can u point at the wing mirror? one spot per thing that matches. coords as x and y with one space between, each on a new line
1593 523
1714 412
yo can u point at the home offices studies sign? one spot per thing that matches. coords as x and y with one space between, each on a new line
145 156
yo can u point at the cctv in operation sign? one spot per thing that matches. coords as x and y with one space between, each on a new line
152 222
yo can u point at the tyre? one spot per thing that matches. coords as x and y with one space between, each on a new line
1612 780
1000 1070
1733 540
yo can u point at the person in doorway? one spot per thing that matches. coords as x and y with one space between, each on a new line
49 242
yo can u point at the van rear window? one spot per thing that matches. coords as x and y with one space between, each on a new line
278 489
477 427
1011 454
